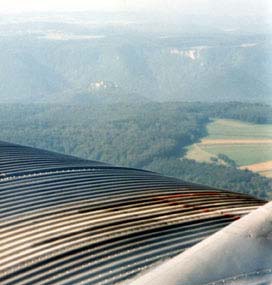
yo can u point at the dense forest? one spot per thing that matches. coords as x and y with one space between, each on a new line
220 176
153 136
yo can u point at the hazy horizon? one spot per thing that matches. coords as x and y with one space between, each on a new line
232 8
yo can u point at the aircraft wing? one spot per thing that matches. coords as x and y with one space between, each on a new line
66 220
241 253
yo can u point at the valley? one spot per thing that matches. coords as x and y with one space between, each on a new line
61 62
132 91
153 136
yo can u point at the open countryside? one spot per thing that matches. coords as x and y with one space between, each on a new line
249 145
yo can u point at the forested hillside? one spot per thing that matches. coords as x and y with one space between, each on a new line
50 62
152 136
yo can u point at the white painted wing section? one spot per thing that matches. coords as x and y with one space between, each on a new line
241 253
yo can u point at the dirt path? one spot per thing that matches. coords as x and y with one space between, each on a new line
259 167
235 141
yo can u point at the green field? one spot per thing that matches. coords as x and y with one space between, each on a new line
242 153
231 129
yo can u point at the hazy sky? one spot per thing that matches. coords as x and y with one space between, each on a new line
218 7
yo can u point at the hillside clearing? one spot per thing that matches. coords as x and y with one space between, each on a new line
249 145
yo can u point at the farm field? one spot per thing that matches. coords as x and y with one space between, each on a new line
249 145
233 129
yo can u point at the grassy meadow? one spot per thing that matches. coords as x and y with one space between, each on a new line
249 145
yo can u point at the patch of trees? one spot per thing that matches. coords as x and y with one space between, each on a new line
221 176
228 161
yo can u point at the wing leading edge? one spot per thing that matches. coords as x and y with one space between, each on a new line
240 254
